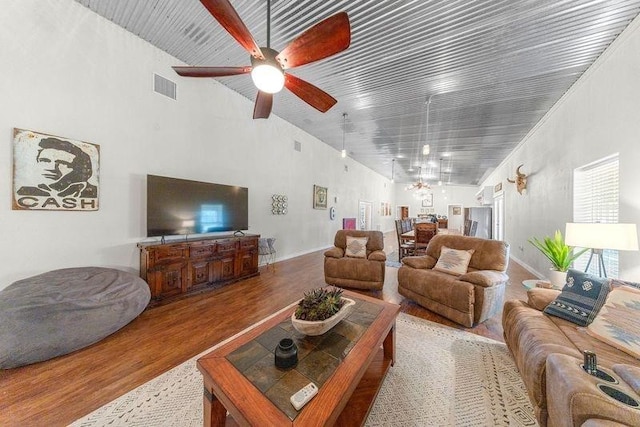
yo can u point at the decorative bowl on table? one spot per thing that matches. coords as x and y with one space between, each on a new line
319 327
320 310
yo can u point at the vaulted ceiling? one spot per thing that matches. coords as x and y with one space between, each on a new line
468 78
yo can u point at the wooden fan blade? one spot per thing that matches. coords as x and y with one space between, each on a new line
210 71
324 39
317 98
227 16
264 102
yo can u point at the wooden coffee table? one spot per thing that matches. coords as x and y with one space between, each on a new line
348 364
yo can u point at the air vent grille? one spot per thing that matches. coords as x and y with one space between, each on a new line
164 86
297 146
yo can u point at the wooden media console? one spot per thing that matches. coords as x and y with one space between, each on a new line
178 268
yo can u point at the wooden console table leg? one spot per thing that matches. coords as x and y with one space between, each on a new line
215 413
389 345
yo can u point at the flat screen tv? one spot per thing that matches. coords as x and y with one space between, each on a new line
179 206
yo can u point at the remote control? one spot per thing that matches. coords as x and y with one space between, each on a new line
302 396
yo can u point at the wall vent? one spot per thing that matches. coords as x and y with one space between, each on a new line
164 86
297 146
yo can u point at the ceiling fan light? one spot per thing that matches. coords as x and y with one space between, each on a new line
268 78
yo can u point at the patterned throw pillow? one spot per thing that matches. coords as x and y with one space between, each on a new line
453 261
581 298
618 323
356 247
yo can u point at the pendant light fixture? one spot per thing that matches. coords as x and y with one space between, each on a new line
393 167
425 148
419 185
422 188
344 131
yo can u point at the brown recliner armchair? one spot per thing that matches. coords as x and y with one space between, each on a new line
350 272
467 299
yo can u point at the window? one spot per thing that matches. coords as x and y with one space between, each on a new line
595 199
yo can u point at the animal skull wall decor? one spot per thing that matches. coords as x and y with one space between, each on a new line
520 181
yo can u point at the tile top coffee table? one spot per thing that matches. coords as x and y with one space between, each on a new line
348 364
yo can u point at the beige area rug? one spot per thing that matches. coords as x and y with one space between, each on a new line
442 377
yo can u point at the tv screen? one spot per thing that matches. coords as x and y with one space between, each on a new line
180 206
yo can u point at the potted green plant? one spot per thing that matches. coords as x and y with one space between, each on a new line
559 253
320 310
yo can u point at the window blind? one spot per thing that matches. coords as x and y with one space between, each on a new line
596 199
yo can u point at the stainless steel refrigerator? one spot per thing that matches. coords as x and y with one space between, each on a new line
482 215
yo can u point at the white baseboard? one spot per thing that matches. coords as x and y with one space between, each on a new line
527 267
297 254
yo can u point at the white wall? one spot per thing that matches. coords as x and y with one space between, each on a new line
599 116
464 195
68 72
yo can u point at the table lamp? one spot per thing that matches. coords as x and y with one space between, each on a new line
599 236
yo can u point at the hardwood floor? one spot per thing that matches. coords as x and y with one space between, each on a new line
59 391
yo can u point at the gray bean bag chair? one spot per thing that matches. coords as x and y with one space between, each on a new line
61 311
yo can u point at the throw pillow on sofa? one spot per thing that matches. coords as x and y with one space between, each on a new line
581 298
618 322
618 282
453 261
356 247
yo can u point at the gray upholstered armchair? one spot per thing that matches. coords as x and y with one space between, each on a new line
360 265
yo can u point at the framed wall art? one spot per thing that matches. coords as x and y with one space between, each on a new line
54 173
319 197
427 202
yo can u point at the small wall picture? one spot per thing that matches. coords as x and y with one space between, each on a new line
319 197
54 173
456 210
427 202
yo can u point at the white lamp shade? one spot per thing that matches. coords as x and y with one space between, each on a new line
622 237
267 78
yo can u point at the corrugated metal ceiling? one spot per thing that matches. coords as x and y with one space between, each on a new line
491 69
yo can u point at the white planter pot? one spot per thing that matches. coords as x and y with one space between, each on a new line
319 327
557 278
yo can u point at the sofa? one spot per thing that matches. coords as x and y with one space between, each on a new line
361 268
548 354
468 298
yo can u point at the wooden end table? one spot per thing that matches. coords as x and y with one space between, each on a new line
348 364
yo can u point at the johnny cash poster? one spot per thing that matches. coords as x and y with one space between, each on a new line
54 173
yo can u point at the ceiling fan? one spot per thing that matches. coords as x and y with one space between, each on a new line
268 66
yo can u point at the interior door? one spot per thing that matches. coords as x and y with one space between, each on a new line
402 212
455 216
365 220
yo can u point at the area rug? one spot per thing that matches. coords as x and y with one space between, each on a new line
442 377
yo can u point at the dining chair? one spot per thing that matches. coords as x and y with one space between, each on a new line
405 246
424 232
